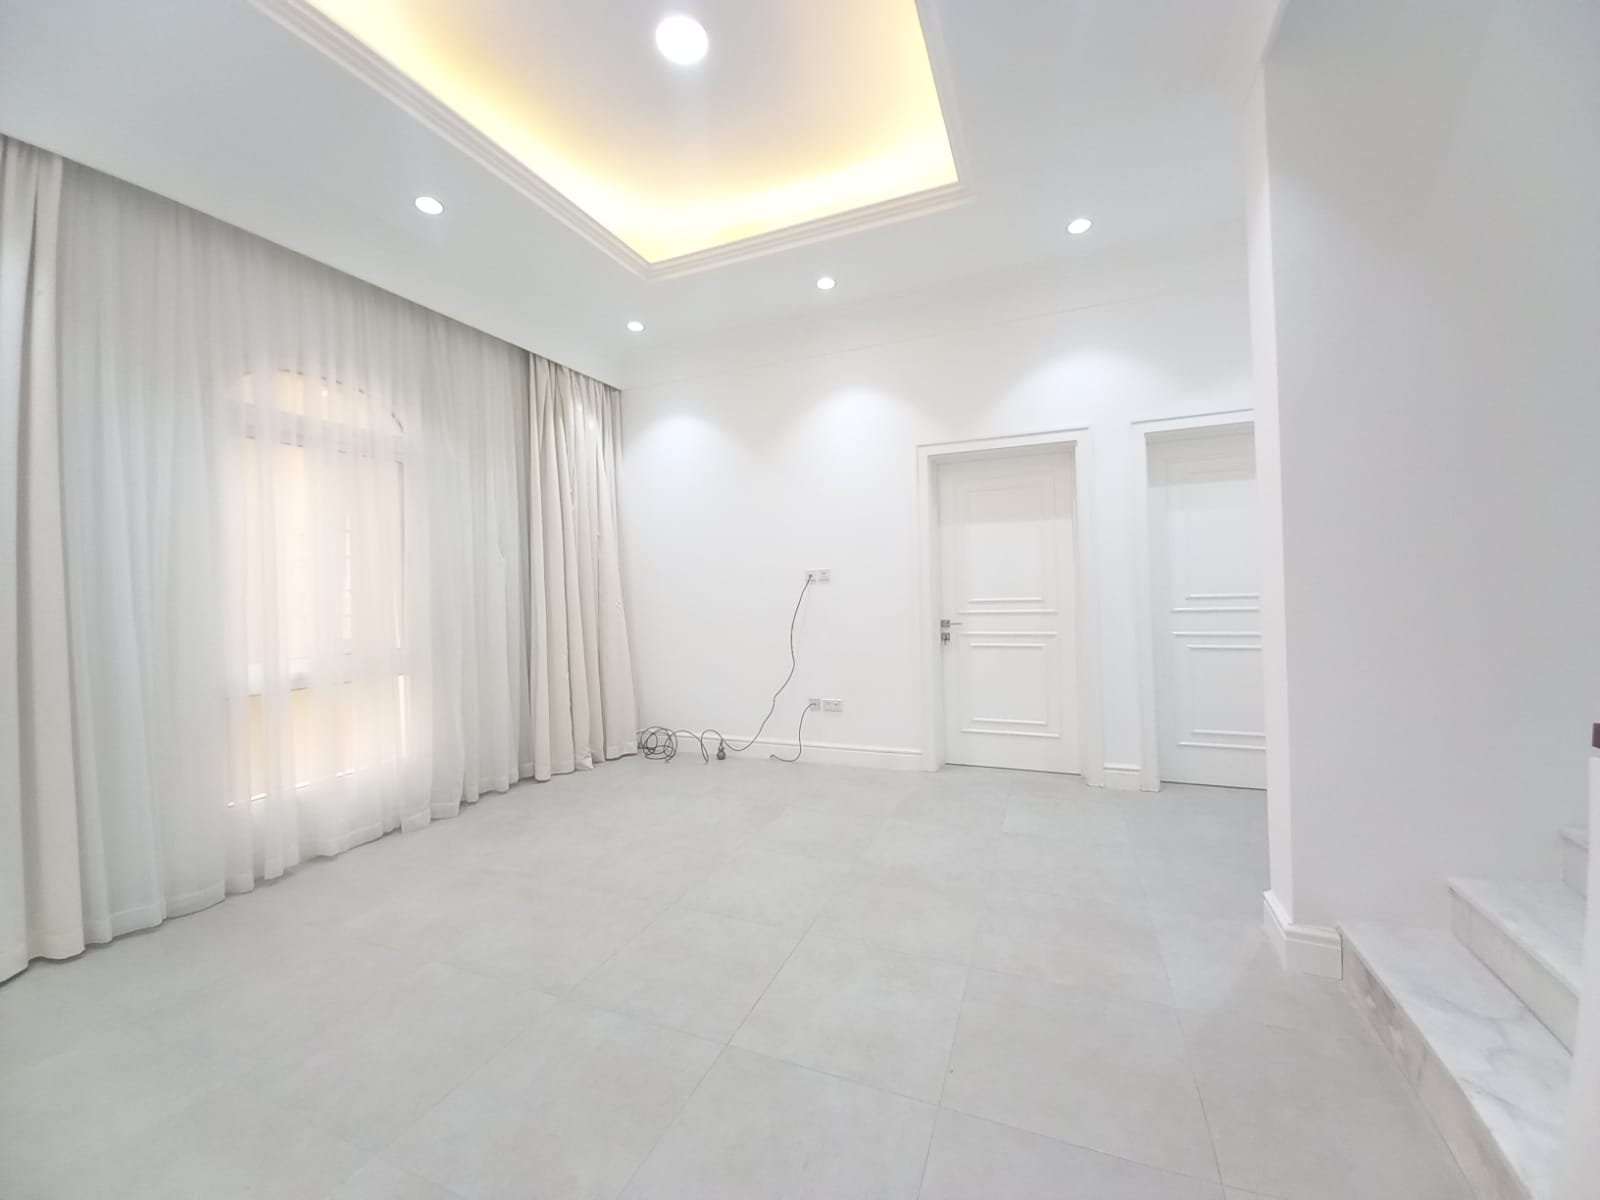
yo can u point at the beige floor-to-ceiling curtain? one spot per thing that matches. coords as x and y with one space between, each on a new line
38 819
582 674
266 577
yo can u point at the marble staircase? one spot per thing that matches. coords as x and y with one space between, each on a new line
1482 1017
1575 858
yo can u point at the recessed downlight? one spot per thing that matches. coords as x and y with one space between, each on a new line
1079 225
635 326
428 206
682 40
825 284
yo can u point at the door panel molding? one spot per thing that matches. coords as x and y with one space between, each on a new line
1085 625
1201 425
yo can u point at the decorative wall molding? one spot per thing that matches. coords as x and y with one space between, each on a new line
1123 777
355 56
1303 949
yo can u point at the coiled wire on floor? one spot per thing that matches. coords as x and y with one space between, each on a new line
661 744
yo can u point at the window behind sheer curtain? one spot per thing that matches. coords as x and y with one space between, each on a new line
322 567
294 530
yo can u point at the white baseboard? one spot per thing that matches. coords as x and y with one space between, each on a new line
1303 949
836 754
1123 777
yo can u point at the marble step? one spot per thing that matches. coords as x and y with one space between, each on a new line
1575 858
1490 1074
1531 936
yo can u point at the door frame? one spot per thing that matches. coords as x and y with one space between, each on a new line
1077 442
1239 420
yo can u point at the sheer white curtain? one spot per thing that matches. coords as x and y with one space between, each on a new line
38 820
583 701
297 563
292 519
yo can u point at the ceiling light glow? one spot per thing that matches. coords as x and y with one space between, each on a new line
880 138
429 206
1079 225
825 284
635 326
682 40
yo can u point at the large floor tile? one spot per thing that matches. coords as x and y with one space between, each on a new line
378 1180
370 1075
972 1159
1077 813
546 938
693 971
843 791
72 1105
906 911
568 1112
926 848
768 888
1226 967
1187 818
1190 881
1093 1069
525 999
760 1128
725 822
959 797
553 847
868 1014
54 1006
225 1144
818 833
1079 943
653 871
275 1011
1311 1116
1065 868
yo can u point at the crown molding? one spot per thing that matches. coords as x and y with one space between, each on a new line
327 36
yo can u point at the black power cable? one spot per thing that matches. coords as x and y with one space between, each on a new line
660 743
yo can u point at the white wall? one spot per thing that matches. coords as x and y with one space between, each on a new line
749 462
1426 261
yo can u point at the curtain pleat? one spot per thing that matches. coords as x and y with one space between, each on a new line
325 564
39 912
582 674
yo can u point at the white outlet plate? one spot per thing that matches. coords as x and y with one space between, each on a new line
820 575
814 704
832 706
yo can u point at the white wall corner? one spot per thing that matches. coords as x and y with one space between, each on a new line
1122 777
1302 949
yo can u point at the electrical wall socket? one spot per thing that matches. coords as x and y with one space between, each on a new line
814 704
832 705
820 575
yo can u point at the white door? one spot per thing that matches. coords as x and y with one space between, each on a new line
1207 610
1007 557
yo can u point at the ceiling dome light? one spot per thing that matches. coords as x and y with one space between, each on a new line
429 206
635 326
682 40
1079 225
825 284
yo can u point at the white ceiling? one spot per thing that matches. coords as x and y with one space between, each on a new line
799 111
1125 110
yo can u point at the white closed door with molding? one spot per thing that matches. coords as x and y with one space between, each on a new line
1206 600
1007 558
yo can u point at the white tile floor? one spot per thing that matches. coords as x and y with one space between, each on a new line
742 980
